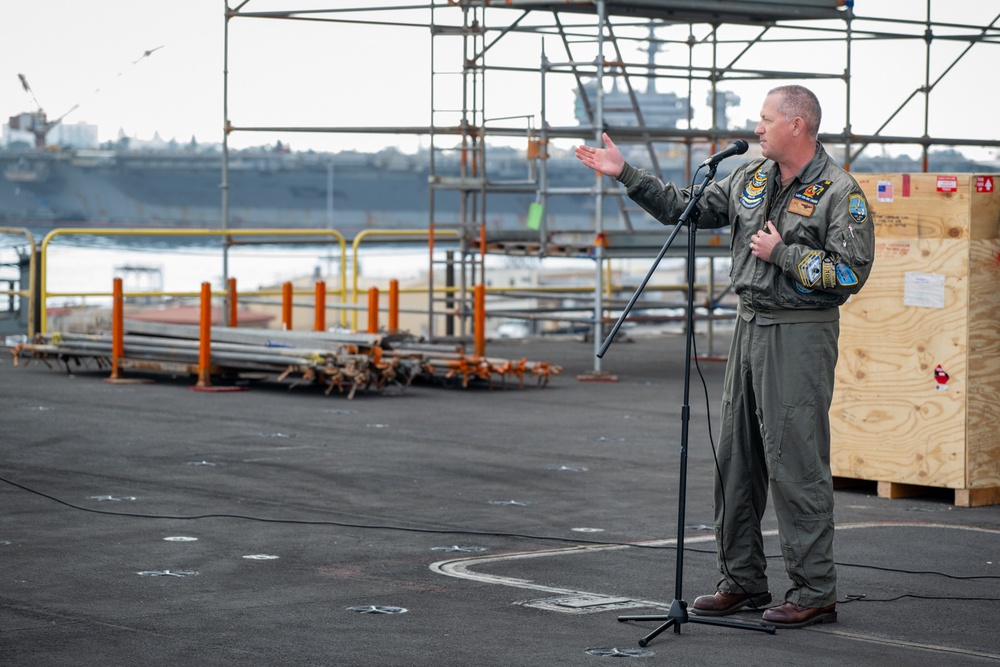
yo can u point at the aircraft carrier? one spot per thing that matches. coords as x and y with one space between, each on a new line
43 187
121 185
346 191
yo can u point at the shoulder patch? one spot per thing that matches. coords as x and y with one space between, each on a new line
858 207
811 268
846 275
753 193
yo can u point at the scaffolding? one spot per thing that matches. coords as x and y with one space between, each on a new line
711 48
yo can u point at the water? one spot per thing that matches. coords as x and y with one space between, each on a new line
80 271
76 274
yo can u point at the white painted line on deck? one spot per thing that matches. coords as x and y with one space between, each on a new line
462 567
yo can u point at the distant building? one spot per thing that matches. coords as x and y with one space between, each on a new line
69 135
74 135
12 137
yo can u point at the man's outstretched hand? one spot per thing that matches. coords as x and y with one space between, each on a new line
607 160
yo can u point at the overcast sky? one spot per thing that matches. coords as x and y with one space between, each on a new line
91 53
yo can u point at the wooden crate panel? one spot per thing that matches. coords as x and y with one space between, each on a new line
892 419
922 206
983 456
985 207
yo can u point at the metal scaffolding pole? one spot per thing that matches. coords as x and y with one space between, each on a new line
721 45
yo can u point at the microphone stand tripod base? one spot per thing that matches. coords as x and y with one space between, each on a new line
678 615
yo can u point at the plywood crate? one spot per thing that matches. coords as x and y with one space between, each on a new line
917 397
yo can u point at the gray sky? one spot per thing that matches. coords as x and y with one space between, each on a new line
291 73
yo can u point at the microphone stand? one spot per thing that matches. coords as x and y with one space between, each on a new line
678 614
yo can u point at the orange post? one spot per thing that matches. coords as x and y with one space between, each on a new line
231 298
117 327
479 321
320 319
393 305
205 337
373 310
286 306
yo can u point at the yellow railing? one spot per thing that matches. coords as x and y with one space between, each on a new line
43 294
29 294
40 292
383 234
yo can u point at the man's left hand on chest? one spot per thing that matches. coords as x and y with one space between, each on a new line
764 240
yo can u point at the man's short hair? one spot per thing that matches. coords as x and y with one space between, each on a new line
799 101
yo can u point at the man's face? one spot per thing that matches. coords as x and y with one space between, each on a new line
774 131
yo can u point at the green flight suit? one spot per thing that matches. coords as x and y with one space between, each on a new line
780 373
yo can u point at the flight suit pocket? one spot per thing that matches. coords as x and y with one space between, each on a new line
793 452
725 450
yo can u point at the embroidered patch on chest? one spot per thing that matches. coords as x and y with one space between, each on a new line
753 193
812 193
800 207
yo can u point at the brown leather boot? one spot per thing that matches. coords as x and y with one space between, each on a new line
722 603
791 615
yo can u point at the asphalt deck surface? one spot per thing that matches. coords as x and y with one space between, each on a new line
148 524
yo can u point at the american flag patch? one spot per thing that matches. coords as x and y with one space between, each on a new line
885 191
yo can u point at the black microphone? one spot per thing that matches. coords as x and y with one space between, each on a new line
738 147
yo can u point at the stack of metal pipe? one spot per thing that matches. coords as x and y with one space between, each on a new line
344 361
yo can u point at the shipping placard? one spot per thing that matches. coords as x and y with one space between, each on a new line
947 183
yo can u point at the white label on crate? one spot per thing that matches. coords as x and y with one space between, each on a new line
947 183
924 290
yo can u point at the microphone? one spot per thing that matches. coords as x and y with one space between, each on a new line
738 147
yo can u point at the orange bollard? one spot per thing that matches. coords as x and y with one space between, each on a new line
320 319
393 305
286 306
205 337
117 328
231 297
479 320
372 310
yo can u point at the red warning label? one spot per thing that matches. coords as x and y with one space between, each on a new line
947 183
984 184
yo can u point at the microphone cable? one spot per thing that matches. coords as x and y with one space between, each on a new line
488 533
338 524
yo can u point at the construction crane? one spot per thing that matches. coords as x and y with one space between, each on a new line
37 122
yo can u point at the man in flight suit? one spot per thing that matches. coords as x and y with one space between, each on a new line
802 243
